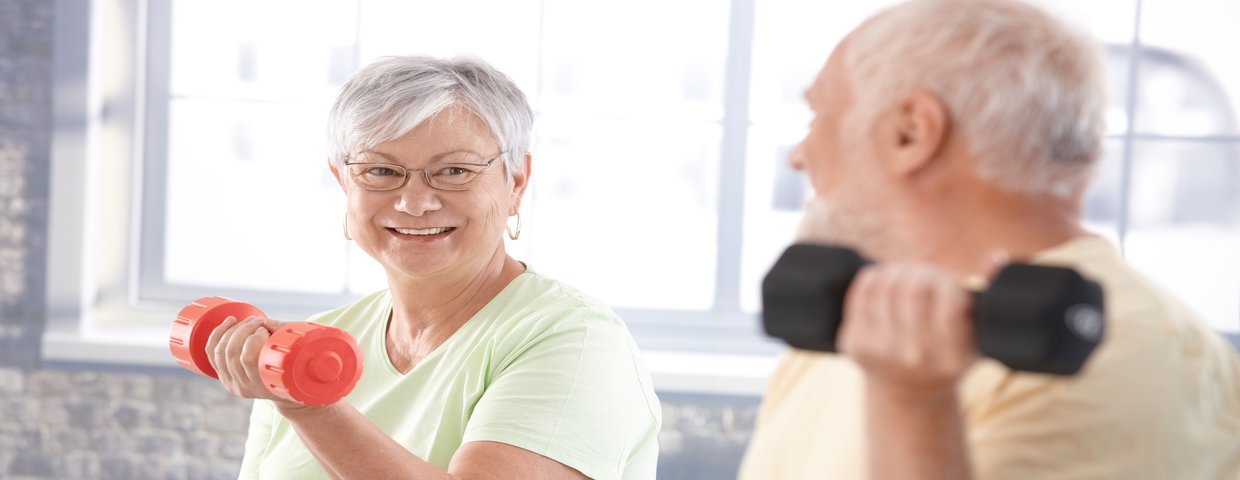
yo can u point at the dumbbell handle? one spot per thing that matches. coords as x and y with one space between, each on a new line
1032 318
303 362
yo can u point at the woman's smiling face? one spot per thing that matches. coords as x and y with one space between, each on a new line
416 230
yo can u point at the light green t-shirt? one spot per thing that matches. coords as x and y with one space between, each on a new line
541 367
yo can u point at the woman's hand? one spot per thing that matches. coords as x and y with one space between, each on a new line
233 350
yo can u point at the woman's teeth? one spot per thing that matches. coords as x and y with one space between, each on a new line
422 231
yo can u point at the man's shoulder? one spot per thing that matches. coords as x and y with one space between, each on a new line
1134 302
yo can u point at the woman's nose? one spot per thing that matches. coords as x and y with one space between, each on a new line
416 197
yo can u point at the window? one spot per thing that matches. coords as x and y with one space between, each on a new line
662 130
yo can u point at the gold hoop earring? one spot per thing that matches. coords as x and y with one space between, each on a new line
346 227
512 235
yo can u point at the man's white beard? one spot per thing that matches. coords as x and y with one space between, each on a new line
827 222
815 223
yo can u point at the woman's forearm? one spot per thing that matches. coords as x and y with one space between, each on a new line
348 446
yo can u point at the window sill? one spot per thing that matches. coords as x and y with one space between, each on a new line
671 371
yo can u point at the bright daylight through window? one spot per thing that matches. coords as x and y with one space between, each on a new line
660 181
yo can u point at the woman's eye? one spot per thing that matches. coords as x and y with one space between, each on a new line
452 171
380 171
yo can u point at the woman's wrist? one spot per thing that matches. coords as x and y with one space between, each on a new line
296 411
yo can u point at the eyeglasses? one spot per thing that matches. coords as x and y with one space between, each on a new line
450 176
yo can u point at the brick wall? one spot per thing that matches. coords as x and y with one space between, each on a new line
90 421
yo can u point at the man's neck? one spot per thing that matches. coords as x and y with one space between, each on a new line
962 239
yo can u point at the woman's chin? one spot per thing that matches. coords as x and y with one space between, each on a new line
403 263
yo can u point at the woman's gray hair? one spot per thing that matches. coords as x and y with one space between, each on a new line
1026 91
394 95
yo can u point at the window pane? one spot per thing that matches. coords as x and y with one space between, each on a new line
1185 224
811 30
774 196
250 199
1103 199
365 274
1110 21
1189 75
636 59
631 222
262 53
504 33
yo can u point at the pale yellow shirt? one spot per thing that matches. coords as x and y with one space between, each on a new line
541 367
1159 399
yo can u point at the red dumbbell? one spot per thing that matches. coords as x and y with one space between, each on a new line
304 362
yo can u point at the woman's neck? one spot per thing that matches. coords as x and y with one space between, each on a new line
427 311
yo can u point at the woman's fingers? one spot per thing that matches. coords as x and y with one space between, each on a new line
233 371
251 348
213 342
233 350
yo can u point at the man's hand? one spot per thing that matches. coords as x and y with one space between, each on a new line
907 326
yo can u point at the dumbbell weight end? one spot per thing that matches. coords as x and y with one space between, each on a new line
302 362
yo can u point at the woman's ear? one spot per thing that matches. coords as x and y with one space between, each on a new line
336 173
521 181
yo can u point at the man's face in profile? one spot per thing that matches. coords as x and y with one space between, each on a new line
837 159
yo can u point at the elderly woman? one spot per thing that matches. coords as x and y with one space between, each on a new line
475 365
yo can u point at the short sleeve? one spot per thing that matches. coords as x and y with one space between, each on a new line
576 393
1112 421
257 440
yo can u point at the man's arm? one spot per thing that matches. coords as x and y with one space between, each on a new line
915 437
907 327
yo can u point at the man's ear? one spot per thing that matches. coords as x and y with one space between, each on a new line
915 133
521 181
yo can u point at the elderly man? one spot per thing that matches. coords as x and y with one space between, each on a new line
949 133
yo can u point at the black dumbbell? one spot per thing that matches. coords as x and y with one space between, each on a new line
1031 318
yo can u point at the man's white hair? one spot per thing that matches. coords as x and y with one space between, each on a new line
1026 91
394 95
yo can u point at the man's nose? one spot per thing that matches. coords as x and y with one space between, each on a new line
796 159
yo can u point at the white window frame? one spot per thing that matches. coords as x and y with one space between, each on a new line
95 283
93 279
